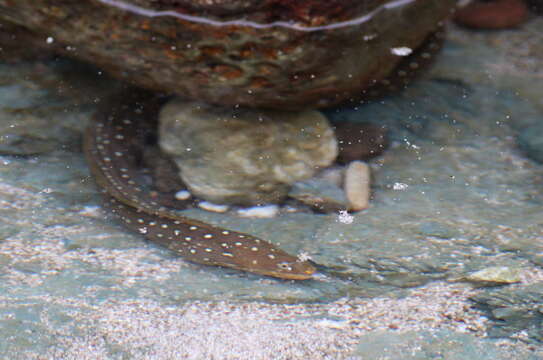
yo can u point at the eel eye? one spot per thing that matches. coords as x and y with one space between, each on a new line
284 266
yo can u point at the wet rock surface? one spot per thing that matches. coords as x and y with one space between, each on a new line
516 311
243 156
496 275
453 195
359 141
357 185
244 62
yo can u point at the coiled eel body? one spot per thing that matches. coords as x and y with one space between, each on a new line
109 145
112 142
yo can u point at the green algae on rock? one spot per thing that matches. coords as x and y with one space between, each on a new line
273 54
494 275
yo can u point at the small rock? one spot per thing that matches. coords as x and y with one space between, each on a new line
357 185
244 156
360 141
496 275
498 14
267 211
206 205
436 229
320 194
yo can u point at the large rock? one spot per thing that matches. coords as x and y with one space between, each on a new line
244 156
227 52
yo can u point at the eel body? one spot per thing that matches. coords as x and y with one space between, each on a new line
410 68
112 143
110 148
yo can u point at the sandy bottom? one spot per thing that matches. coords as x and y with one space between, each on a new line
140 329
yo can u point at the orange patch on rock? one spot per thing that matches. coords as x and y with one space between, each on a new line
227 72
212 50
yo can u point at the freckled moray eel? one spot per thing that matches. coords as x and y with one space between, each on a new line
108 146
111 143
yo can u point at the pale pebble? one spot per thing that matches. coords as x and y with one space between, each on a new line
182 195
357 185
209 206
267 211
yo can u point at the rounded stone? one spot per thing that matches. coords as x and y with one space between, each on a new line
360 141
357 185
274 54
244 156
530 141
495 275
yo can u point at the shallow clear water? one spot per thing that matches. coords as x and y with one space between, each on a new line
466 150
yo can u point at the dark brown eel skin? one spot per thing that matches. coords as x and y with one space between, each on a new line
114 143
109 148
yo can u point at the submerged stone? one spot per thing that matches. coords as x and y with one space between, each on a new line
495 275
357 185
531 141
243 156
